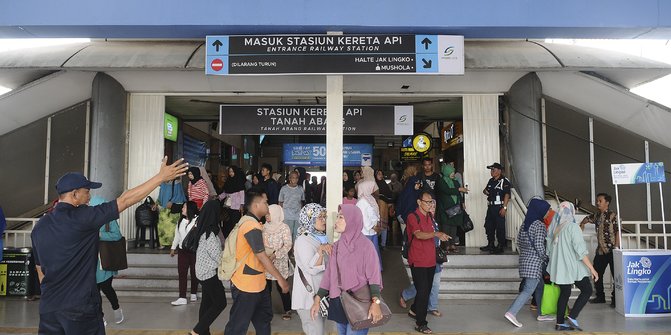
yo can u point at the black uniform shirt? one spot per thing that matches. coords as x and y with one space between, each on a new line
429 183
499 187
65 246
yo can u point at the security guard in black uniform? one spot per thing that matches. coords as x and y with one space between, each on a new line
498 195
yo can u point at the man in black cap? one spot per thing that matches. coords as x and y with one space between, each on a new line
65 246
498 195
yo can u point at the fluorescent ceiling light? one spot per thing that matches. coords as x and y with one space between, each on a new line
7 44
4 90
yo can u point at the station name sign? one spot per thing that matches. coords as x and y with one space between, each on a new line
334 54
311 120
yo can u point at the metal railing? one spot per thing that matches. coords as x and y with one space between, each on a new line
643 237
19 238
517 209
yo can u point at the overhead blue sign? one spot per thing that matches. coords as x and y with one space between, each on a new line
334 54
314 154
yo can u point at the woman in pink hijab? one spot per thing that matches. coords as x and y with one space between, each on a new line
354 259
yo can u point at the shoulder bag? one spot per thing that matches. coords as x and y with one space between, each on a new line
113 253
356 305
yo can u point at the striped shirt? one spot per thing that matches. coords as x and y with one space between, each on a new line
198 192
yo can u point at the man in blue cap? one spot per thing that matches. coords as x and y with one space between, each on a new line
65 246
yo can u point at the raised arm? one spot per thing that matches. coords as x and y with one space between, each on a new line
165 174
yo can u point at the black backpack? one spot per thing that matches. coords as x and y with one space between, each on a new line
191 240
144 215
405 247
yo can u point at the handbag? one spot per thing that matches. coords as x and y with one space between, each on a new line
191 240
356 305
550 298
113 253
467 225
323 302
454 211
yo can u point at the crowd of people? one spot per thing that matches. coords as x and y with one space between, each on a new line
275 228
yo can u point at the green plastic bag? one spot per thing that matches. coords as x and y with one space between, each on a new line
550 299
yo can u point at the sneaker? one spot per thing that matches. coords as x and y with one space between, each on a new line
179 302
105 323
563 326
573 323
118 316
194 297
512 319
598 300
545 318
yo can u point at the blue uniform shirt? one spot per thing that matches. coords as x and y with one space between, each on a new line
65 246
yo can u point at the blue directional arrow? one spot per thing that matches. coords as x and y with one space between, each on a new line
427 64
426 41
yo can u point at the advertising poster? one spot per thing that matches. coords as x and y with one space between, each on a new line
643 283
314 154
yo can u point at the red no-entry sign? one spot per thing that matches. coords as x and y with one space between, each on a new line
217 64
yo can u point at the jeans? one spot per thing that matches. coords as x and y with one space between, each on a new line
585 287
79 320
531 286
293 226
383 237
410 292
346 329
249 307
373 238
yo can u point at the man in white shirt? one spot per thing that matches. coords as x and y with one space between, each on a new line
370 221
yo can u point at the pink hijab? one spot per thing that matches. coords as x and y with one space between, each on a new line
355 255
367 186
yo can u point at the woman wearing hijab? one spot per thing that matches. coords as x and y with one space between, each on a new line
108 232
407 199
569 265
186 260
367 192
234 188
383 203
197 190
354 261
531 247
208 257
311 251
277 240
347 181
170 194
448 195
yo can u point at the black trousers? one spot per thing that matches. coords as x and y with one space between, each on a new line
212 304
600 264
108 290
495 226
286 297
79 320
249 307
423 279
585 287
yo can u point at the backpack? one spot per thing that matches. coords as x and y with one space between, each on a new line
229 265
144 215
191 240
405 247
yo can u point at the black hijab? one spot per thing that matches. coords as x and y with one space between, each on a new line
346 185
208 220
196 174
235 183
301 175
191 211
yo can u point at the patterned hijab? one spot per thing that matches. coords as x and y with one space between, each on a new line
565 216
308 219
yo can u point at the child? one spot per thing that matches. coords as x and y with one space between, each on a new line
349 196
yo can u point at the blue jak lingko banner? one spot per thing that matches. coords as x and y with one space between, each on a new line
646 283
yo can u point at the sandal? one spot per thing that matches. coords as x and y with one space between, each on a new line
436 313
402 302
424 329
286 316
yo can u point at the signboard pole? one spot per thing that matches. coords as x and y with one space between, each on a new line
619 215
334 150
661 201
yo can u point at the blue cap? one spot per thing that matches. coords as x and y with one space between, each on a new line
74 180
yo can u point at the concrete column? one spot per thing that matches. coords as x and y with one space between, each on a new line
481 148
334 144
145 148
525 136
108 136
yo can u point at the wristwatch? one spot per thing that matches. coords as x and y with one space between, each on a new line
375 300
505 207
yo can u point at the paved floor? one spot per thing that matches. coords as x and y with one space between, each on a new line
157 316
